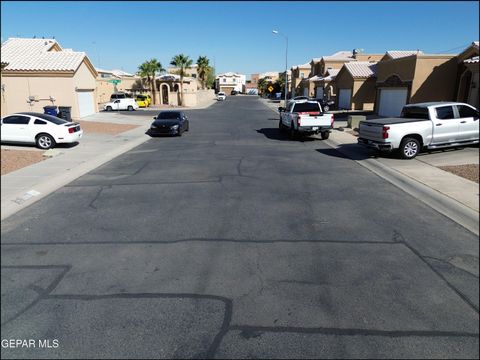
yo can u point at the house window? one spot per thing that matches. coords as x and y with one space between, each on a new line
302 75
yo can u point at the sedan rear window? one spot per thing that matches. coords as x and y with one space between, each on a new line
168 115
306 107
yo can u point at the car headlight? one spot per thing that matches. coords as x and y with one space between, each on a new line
175 127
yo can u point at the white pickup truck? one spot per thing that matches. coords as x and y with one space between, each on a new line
303 117
431 125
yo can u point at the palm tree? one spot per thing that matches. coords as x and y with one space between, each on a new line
203 69
149 69
182 62
262 85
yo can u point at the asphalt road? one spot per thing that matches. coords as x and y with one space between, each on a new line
232 241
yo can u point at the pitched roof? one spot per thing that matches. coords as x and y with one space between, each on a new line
396 54
333 72
340 55
475 44
121 73
361 69
36 55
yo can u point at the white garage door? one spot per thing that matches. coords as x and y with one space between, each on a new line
85 103
392 101
319 94
344 97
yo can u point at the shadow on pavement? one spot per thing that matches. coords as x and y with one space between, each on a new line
350 151
276 134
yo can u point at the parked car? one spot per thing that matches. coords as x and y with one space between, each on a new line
120 95
142 101
234 92
326 104
41 129
169 123
221 96
121 104
421 126
303 117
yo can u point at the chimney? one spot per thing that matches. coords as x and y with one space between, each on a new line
354 53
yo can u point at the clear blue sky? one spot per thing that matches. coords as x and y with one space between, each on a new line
238 35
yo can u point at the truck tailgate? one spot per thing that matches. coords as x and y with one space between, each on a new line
370 131
315 120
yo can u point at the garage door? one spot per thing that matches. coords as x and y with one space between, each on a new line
319 93
305 92
226 89
85 103
344 97
392 101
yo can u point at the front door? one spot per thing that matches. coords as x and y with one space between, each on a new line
445 126
468 125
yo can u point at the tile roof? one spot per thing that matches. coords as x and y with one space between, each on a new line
473 60
35 55
475 43
361 69
396 54
340 55
333 72
121 73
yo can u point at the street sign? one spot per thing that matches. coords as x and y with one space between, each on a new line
270 88
115 82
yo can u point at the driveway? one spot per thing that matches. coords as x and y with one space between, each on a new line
234 242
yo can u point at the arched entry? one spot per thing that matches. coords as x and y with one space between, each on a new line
464 87
165 91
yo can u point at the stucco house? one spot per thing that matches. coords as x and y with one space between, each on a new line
468 75
229 81
41 73
299 72
355 84
168 90
127 82
411 76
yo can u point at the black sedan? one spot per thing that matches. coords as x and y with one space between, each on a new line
169 123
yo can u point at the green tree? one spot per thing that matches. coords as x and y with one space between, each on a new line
262 85
203 70
182 62
211 79
148 70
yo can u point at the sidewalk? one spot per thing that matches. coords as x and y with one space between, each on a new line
23 187
451 195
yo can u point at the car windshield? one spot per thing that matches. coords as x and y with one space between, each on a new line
415 112
221 93
168 115
141 97
304 107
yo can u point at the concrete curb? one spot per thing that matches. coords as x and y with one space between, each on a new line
47 187
461 214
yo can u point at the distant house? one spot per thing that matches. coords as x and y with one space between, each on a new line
229 81
39 72
124 82
299 72
355 84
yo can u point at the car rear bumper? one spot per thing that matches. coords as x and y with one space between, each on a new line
375 144
70 138
313 129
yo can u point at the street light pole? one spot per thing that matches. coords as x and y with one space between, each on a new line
286 63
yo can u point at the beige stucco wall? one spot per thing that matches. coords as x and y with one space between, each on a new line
104 90
403 68
18 87
434 79
363 94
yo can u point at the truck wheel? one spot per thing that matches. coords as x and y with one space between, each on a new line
409 148
109 108
325 135
326 108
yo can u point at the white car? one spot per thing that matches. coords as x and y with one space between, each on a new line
221 96
121 104
43 130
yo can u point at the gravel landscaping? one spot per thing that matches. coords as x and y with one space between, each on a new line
105 128
469 171
16 159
